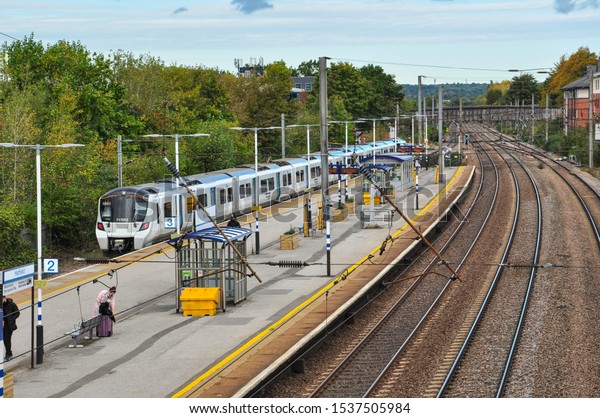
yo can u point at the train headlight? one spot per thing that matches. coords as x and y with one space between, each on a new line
100 226
144 226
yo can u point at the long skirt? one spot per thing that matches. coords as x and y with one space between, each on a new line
104 329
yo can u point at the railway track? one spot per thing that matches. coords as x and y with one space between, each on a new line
362 369
537 309
482 360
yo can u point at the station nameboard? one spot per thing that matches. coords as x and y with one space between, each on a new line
18 278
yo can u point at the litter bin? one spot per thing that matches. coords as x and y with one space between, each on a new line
199 301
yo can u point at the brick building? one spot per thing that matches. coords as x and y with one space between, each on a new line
577 98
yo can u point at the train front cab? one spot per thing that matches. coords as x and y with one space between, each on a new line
127 218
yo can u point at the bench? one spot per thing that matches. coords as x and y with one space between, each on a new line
85 326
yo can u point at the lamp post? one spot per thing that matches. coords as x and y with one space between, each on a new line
346 122
308 125
38 179
374 120
176 136
256 207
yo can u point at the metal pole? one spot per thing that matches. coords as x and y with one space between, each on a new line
441 137
460 131
532 118
417 165
346 144
39 327
308 143
591 118
419 114
120 160
373 141
324 152
282 135
547 115
256 187
178 197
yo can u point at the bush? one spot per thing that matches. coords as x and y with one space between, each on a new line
14 250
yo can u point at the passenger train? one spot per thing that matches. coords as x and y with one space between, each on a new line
133 217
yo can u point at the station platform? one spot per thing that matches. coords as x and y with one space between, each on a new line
156 352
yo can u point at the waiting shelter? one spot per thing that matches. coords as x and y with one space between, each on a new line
205 259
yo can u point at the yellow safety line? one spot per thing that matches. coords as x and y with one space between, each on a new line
257 338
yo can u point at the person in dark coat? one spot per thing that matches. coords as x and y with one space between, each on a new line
9 324
233 222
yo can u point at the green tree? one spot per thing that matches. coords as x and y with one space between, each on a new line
307 68
566 71
346 81
14 250
261 100
493 96
522 88
383 91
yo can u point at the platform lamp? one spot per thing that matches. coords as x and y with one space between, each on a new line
256 207
374 120
346 122
38 177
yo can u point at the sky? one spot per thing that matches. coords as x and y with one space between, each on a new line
444 41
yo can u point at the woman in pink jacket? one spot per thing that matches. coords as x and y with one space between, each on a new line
105 306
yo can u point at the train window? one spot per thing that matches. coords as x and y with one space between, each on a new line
106 210
230 194
141 206
202 199
245 190
190 204
222 196
123 208
299 176
315 172
287 179
168 209
267 185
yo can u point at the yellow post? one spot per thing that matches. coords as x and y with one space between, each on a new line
305 229
320 219
437 170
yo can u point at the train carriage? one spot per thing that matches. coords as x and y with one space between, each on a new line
134 217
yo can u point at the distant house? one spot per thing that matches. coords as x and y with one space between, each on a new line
301 86
577 98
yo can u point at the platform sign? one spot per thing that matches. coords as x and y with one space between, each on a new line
18 278
50 265
170 222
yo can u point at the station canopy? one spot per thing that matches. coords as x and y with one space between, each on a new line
213 234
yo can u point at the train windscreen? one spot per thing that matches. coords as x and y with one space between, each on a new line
123 208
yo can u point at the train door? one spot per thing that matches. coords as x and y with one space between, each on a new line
236 195
213 196
277 192
177 205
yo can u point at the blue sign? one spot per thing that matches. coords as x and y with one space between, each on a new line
18 278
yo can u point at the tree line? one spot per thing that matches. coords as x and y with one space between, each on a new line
63 93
